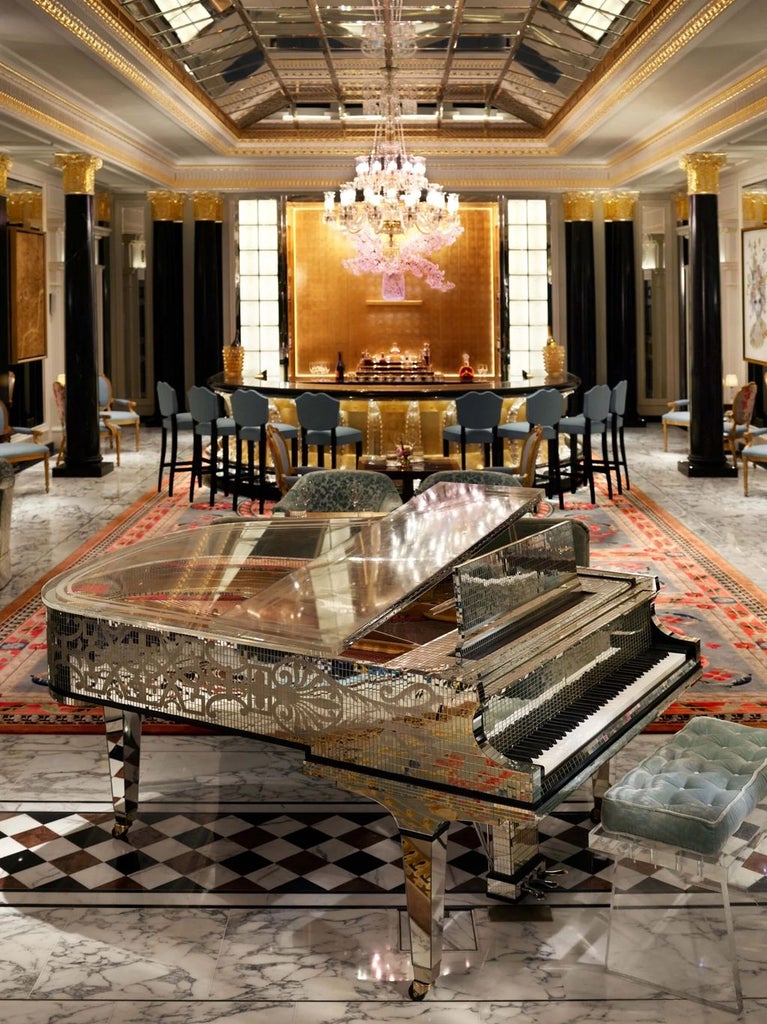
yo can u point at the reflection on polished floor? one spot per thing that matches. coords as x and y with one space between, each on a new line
189 941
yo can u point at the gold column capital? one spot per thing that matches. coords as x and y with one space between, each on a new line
103 207
78 172
578 205
681 207
167 205
26 208
208 206
5 165
619 205
754 207
703 172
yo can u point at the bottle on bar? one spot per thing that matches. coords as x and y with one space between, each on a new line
340 369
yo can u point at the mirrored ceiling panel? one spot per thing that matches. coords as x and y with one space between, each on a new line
265 61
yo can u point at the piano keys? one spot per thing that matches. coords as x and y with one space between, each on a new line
425 660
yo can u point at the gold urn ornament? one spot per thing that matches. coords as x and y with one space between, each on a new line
234 357
553 357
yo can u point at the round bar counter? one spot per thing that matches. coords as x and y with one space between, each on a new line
391 412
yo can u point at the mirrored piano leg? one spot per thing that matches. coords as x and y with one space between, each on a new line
123 736
424 859
600 783
512 857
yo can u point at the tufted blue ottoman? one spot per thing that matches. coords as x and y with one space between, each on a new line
680 810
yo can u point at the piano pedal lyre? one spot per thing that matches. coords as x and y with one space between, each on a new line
541 883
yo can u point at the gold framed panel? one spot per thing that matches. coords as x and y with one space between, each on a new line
754 263
333 310
28 307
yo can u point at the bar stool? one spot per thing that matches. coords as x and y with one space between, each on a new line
617 412
204 406
478 413
250 411
591 422
543 409
318 417
172 422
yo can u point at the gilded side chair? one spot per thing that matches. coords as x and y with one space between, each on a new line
754 453
121 411
106 430
29 448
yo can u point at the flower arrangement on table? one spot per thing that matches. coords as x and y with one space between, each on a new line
404 451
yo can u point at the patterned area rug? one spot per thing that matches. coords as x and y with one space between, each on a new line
700 595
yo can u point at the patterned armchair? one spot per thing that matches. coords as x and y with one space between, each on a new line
340 490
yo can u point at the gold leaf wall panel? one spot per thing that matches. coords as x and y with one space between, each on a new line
333 309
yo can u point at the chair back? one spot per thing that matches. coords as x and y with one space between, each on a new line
544 407
167 399
618 398
60 398
596 403
341 490
743 404
203 404
105 392
483 477
479 410
249 408
529 456
280 457
5 427
317 410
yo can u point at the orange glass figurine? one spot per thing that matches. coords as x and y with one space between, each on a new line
466 371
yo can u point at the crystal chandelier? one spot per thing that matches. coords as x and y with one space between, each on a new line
390 193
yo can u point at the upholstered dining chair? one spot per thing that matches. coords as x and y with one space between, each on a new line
754 453
106 429
477 413
29 449
737 419
543 408
319 417
618 443
122 411
172 421
525 470
205 407
340 490
250 412
286 474
590 423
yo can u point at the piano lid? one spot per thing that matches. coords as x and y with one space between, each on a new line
310 586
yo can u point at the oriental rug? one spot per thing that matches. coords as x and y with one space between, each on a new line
700 595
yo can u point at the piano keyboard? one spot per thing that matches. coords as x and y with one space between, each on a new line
566 732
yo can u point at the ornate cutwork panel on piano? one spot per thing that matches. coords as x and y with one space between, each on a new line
422 659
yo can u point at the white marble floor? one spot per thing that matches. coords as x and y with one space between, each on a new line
114 960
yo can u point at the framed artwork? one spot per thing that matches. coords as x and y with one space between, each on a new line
28 306
755 295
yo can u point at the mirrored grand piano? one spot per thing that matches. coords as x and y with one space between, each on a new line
425 660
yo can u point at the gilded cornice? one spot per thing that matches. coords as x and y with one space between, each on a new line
5 165
111 16
615 90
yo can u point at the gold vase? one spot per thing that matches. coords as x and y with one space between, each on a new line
553 357
234 357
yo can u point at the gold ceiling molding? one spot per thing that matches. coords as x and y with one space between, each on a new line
111 16
5 165
616 94
78 172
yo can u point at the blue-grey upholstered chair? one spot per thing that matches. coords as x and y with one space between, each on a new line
122 411
250 412
544 409
478 413
617 414
593 421
172 422
205 407
31 449
319 416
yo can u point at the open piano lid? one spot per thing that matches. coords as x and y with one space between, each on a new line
256 582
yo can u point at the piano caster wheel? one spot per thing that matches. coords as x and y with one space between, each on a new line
417 991
118 830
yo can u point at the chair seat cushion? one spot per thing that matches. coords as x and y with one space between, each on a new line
676 419
474 435
22 450
577 425
344 435
518 431
116 416
695 790
755 451
224 427
183 421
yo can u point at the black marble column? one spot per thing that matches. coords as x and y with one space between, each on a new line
707 455
83 441
5 284
208 286
168 290
620 298
580 289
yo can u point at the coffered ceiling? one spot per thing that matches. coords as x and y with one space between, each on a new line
256 94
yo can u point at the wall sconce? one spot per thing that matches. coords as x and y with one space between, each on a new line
731 383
